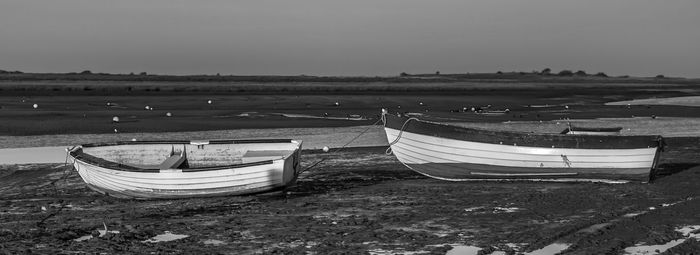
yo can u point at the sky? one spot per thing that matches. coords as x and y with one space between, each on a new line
351 37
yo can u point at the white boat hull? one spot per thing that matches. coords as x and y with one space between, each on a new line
237 179
442 157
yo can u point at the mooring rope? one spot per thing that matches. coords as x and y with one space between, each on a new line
388 150
344 145
66 173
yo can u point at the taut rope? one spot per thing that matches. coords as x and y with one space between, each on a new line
344 145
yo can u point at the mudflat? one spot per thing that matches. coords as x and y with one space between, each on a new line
358 200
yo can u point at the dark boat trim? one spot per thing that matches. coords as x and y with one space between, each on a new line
188 142
414 125
78 154
463 171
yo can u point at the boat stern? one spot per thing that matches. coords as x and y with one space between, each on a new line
292 166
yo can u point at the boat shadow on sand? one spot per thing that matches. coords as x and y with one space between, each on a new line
669 169
680 154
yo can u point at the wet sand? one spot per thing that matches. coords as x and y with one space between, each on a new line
358 200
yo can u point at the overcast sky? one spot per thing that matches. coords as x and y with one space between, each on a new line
351 37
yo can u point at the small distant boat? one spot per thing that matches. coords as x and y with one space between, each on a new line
571 130
454 153
494 112
182 169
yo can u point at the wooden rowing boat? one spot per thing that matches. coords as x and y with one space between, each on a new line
456 153
180 169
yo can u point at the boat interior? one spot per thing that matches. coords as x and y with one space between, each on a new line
189 155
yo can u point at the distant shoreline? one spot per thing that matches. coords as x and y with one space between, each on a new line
512 77
17 83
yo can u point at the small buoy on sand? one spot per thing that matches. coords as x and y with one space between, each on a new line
337 103
420 103
35 106
168 114
147 107
115 119
566 107
209 101
115 130
326 149
133 139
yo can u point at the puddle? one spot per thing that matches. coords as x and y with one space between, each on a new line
472 209
505 209
630 215
640 248
102 233
292 115
166 237
594 228
497 209
652 249
33 155
463 250
213 242
391 252
554 248
516 246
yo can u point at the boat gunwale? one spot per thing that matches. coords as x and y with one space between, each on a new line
526 139
223 141
78 154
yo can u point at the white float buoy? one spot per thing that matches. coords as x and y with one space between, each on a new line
35 106
566 107
209 101
325 149
133 139
147 107
115 119
168 114
115 130
337 103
